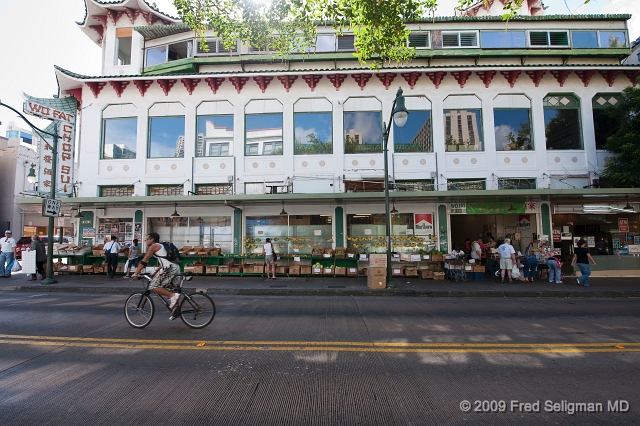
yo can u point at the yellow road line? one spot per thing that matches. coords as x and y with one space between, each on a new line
306 346
323 343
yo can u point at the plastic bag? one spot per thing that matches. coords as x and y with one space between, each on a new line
515 272
16 267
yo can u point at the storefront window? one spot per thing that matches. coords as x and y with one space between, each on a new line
362 132
410 233
263 134
463 130
124 228
313 133
215 136
166 137
296 234
466 184
562 122
604 126
119 137
204 231
415 135
512 129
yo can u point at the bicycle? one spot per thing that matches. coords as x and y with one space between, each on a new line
197 310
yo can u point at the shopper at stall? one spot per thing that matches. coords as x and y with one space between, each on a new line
269 258
491 242
476 250
601 247
41 256
530 266
581 258
111 250
554 263
466 247
507 259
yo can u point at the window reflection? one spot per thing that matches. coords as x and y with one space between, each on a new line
263 134
503 39
415 135
313 133
119 138
362 132
612 39
512 129
166 137
562 122
215 136
584 39
463 130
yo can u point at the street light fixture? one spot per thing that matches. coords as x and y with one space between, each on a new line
399 114
394 211
31 177
175 210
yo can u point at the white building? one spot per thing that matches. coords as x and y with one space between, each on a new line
533 129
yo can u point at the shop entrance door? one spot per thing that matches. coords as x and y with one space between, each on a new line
521 228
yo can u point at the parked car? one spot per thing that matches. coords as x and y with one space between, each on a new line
25 242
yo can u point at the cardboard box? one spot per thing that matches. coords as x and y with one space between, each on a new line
185 249
215 252
341 270
426 274
87 269
317 250
223 269
478 268
98 269
194 268
437 258
405 257
351 253
256 268
294 270
377 272
282 269
378 260
397 272
305 270
352 272
365 272
340 252
120 267
327 270
415 258
376 282
211 269
411 272
235 269
316 271
75 268
438 275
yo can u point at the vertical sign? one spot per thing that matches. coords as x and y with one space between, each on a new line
64 182
557 234
623 224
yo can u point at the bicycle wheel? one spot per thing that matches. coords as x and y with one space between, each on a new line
139 310
197 310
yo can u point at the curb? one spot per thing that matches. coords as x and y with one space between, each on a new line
345 292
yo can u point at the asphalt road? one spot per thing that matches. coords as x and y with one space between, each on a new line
72 359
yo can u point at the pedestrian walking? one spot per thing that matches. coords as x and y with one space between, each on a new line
111 250
269 258
132 258
507 259
41 257
581 258
8 247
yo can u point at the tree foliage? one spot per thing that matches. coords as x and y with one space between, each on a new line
623 169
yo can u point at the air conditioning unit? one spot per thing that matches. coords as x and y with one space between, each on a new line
100 212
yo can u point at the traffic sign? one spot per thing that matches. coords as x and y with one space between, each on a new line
51 207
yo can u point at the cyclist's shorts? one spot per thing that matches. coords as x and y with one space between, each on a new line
166 278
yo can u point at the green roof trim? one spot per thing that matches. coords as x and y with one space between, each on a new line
157 31
358 69
67 104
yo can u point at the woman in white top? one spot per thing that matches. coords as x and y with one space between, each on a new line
269 258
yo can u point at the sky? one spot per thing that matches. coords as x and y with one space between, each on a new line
38 34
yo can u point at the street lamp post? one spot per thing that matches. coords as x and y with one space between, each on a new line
399 115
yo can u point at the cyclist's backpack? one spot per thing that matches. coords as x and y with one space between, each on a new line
173 254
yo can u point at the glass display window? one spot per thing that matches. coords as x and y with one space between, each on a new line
203 231
367 234
293 234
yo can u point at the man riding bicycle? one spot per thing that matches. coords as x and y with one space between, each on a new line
165 276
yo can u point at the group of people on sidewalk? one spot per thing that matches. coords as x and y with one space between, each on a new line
535 260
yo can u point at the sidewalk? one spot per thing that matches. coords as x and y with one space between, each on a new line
338 286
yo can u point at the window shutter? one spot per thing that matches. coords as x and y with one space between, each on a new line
419 40
346 42
468 40
538 38
450 40
558 38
